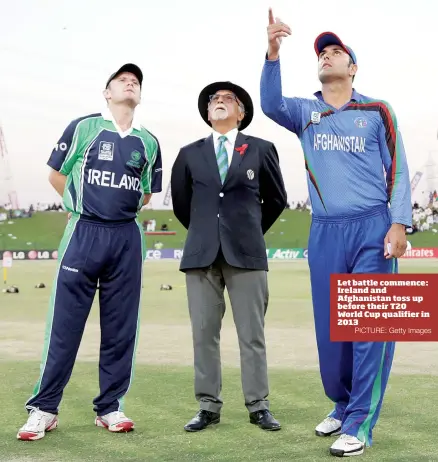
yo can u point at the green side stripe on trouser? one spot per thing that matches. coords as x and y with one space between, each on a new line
63 246
376 394
364 429
134 353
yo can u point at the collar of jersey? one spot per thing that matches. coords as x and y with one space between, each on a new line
354 97
106 114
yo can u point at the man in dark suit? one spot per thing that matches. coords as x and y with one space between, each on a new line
227 191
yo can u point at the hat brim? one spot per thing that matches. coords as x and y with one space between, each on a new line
329 38
129 67
241 94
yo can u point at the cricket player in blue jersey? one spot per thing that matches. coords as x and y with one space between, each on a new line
106 166
359 188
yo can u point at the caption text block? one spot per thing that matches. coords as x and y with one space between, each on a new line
384 307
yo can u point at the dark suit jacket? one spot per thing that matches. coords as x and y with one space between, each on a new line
232 217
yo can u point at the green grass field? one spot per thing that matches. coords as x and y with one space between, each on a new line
161 399
44 230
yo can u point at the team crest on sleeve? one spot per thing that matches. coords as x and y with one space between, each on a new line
360 122
316 117
106 150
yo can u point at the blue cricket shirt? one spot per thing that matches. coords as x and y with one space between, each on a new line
108 172
354 156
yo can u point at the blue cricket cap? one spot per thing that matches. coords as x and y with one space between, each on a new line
129 67
329 38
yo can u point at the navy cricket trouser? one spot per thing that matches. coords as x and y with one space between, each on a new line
354 374
91 252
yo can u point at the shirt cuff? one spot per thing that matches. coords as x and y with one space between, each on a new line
271 62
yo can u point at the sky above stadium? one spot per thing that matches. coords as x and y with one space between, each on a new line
55 57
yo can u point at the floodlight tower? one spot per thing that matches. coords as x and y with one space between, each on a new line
7 192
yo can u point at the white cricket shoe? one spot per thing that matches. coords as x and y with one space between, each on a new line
329 427
38 423
115 422
346 446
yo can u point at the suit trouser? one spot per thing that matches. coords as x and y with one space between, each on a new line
354 374
248 292
113 254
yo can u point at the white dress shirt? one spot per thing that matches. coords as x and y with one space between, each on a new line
229 144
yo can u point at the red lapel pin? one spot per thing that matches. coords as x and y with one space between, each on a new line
241 150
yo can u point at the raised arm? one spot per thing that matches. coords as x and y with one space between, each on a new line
283 111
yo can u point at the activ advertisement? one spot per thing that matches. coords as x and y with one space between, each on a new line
286 254
176 254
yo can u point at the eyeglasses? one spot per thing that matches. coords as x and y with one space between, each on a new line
228 98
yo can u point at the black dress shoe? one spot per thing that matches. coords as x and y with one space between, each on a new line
202 420
265 420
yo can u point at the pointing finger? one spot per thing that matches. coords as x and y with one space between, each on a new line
271 16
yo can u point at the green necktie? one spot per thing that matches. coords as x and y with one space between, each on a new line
222 158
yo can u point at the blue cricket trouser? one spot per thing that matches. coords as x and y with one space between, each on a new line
91 252
354 374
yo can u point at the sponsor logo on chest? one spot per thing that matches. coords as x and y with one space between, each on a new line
360 122
106 150
315 118
134 161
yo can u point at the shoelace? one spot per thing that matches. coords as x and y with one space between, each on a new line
330 420
34 418
351 439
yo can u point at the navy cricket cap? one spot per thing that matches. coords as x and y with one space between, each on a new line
132 68
329 38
